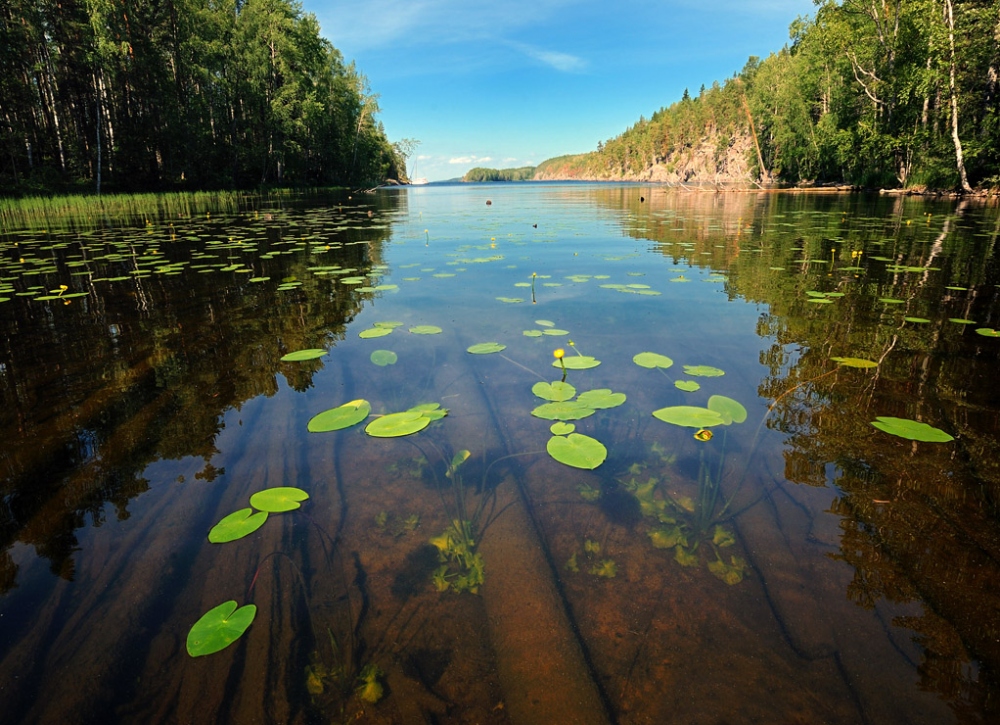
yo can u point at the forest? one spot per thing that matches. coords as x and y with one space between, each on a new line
135 95
877 93
480 173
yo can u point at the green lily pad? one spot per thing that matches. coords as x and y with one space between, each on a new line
485 348
341 417
601 399
554 332
890 301
652 360
562 410
434 411
300 355
510 300
689 416
854 362
688 386
577 362
384 357
532 333
561 429
395 425
425 330
545 323
556 391
237 525
375 332
219 627
917 320
911 429
704 371
577 450
731 410
987 332
278 499
961 321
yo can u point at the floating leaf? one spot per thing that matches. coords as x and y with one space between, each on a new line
652 360
987 332
961 321
731 410
279 499
911 429
704 371
545 323
384 357
237 525
300 355
554 332
398 424
577 362
854 362
341 417
688 386
219 627
510 300
375 332
577 450
917 320
601 398
434 411
532 333
689 416
567 410
425 330
485 348
560 429
556 391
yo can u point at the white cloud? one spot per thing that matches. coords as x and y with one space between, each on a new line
484 159
462 160
560 61
424 157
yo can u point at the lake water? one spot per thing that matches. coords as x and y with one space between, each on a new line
798 566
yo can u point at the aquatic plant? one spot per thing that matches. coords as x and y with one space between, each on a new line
219 627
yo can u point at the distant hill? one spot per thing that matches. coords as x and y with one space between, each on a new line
523 173
877 95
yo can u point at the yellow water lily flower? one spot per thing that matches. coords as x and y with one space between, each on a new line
703 434
558 354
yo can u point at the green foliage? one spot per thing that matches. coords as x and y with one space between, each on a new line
862 96
187 95
219 627
523 173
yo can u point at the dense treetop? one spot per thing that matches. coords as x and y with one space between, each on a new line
144 94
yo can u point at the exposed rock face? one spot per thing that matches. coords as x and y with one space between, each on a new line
713 160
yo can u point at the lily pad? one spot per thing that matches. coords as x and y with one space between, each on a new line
704 371
545 323
384 357
689 416
554 332
434 411
237 525
688 386
577 362
854 362
532 333
395 425
961 321
732 411
987 332
279 499
652 360
375 332
560 429
341 417
485 348
425 330
911 429
601 399
556 391
564 410
577 450
301 355
917 320
219 627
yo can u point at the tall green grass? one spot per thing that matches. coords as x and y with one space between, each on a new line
91 212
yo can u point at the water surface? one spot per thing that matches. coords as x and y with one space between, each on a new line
829 572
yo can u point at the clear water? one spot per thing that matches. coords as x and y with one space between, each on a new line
835 573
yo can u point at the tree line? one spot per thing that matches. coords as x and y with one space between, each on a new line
879 93
481 173
166 94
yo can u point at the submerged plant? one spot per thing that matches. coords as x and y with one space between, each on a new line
370 690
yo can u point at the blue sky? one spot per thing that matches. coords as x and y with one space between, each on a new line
514 82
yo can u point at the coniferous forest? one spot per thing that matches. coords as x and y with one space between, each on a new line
128 95
886 93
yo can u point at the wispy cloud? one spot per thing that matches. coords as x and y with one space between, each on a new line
462 160
560 61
